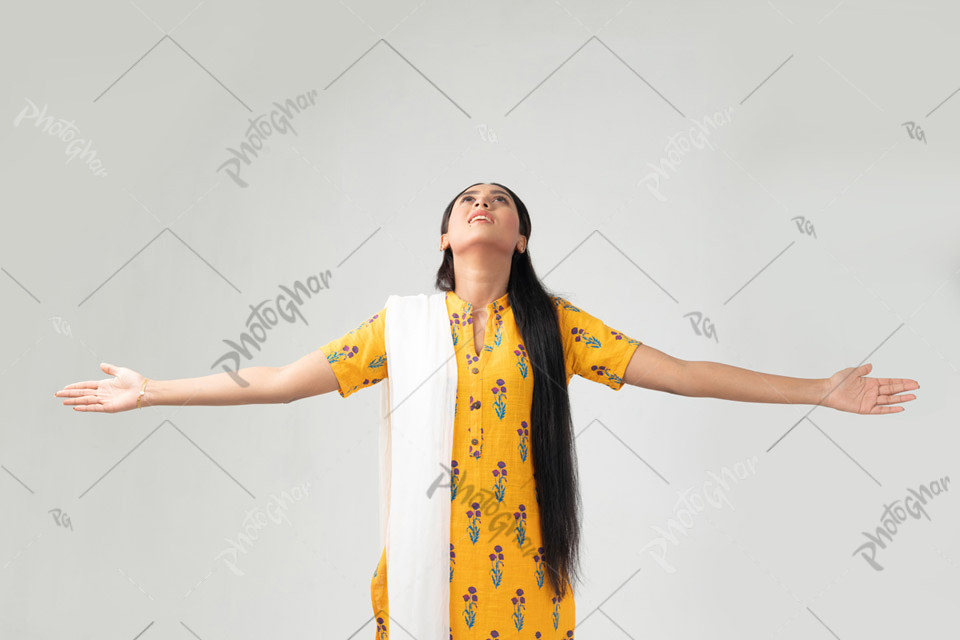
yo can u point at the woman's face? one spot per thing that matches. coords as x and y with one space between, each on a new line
498 229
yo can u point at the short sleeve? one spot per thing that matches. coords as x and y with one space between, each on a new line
359 357
591 349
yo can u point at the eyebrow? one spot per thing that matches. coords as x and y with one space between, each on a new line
474 191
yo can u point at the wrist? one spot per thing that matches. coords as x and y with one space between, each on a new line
147 394
822 390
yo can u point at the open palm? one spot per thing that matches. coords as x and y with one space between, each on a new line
850 390
110 395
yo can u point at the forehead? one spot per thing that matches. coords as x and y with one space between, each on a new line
489 188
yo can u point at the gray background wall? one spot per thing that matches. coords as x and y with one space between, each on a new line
806 230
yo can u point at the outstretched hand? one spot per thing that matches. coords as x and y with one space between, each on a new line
110 395
850 390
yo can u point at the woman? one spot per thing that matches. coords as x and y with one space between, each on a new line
514 542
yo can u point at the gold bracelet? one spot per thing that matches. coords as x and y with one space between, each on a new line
142 387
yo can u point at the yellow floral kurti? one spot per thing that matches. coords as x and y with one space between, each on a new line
499 587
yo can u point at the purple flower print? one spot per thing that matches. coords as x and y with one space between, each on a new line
381 628
453 561
521 528
539 560
500 473
494 635
470 607
476 445
601 371
585 337
524 434
566 304
521 354
498 336
367 381
455 323
556 612
474 528
454 479
496 570
500 391
346 352
519 603
471 358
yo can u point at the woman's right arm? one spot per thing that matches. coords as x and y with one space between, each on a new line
357 358
308 376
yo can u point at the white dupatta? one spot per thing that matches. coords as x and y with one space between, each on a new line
416 441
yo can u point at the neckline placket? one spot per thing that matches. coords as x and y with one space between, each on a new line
466 311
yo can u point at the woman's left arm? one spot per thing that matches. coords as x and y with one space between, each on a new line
846 390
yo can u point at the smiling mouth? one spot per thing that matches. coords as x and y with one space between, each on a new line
480 218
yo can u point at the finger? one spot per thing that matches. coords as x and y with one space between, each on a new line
87 384
907 382
90 399
895 399
73 393
89 407
106 367
882 409
894 385
864 369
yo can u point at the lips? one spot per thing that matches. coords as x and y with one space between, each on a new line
474 218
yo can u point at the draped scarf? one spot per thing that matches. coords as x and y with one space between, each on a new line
417 402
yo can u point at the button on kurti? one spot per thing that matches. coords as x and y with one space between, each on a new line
499 587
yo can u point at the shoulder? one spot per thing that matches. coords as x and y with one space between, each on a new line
563 304
567 312
373 321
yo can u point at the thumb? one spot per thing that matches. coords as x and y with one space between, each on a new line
864 369
108 368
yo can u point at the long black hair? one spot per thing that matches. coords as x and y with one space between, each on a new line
555 472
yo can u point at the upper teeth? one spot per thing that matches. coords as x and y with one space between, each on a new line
478 216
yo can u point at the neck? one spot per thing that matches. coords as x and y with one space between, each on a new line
481 281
